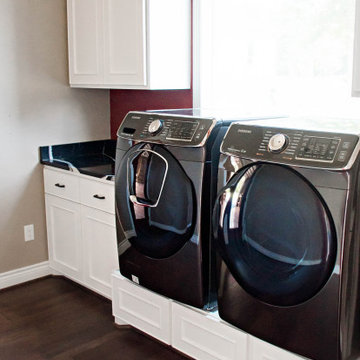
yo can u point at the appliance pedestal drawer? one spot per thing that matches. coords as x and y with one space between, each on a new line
204 336
141 308
261 350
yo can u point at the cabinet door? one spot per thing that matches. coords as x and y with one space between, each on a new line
261 350
100 249
64 236
125 42
85 23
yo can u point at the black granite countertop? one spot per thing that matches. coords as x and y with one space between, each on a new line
95 158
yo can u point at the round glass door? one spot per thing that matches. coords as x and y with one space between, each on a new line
155 201
275 233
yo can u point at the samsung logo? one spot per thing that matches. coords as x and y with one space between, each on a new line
244 131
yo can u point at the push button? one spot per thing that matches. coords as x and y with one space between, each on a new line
346 145
342 156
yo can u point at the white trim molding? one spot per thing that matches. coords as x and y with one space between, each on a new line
196 53
24 274
356 64
203 23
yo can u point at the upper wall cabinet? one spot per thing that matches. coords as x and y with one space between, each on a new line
129 44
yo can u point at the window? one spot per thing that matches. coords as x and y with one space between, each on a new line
291 57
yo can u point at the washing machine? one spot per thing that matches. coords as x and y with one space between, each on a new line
286 231
165 187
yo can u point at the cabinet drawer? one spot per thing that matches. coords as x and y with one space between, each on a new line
61 184
205 337
98 195
261 350
141 308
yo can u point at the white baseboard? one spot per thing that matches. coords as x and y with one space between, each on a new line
18 276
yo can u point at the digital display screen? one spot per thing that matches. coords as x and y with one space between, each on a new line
128 130
318 148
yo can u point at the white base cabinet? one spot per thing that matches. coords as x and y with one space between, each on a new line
80 216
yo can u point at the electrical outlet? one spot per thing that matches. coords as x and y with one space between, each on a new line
29 232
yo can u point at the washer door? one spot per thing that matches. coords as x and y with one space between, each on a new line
155 201
275 233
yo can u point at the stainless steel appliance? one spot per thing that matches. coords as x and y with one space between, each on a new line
286 226
165 186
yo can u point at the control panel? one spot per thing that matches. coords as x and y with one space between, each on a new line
290 146
166 129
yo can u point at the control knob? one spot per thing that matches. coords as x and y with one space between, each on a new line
278 143
155 126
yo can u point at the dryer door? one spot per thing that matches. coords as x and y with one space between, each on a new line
275 233
155 201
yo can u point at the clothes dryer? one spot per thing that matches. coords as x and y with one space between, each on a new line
286 227
165 187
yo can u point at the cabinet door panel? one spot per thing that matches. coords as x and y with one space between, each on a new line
64 236
125 42
100 249
85 19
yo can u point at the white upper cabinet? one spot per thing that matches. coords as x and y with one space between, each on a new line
129 44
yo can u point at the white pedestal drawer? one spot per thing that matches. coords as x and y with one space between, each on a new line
141 308
203 336
261 350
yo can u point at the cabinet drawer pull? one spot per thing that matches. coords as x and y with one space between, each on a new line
59 185
100 197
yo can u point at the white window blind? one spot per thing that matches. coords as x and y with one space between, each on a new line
293 57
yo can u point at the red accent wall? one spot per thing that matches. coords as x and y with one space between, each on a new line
122 101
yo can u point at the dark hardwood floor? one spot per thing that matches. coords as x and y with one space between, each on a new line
53 318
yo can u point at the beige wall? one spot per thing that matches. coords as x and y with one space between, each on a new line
37 107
